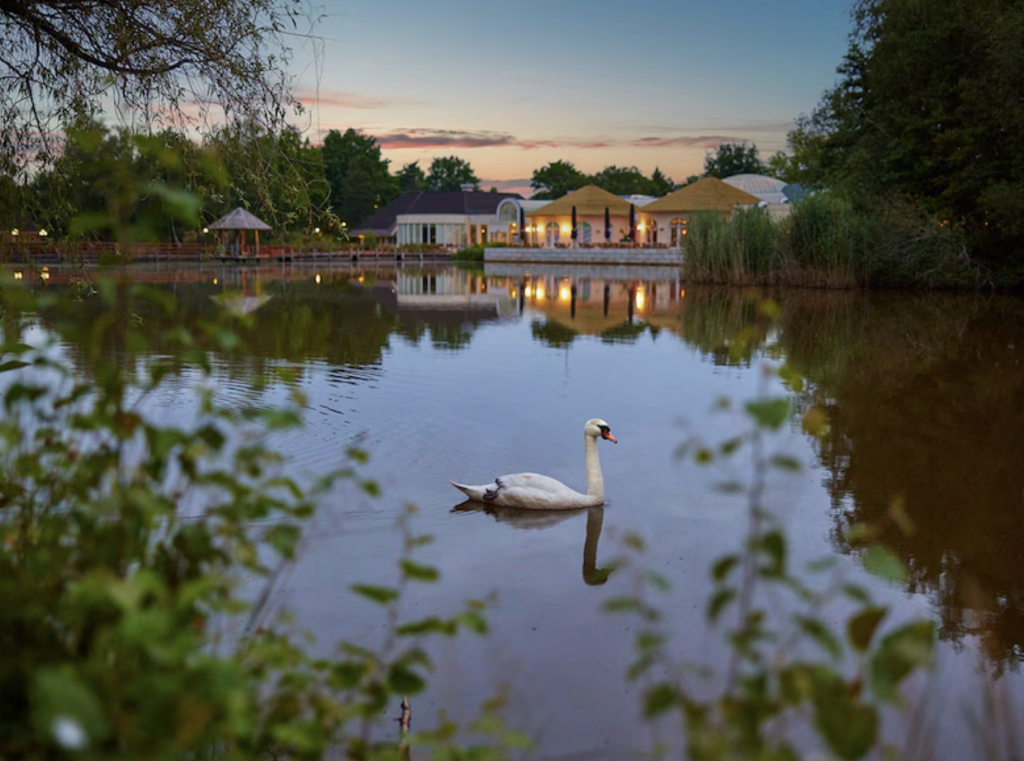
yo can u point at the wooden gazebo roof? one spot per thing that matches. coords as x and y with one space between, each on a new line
706 194
589 200
240 219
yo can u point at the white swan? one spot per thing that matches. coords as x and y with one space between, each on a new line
536 492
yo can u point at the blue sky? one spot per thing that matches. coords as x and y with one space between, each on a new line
511 86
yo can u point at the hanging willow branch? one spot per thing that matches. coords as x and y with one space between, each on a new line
165 62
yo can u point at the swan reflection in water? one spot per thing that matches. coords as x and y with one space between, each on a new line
541 519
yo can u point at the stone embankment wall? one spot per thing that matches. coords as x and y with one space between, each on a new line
585 255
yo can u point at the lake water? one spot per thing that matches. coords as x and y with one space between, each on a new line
443 373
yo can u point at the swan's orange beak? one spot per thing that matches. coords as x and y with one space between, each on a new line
608 435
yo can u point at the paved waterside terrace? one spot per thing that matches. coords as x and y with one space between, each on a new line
585 255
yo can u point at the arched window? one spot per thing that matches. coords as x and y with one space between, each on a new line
508 211
551 234
677 230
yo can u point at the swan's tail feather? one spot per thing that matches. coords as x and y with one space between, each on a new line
473 492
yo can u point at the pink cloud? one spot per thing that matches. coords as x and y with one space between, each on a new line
344 100
685 141
448 138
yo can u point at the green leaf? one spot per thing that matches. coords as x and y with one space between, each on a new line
898 655
382 595
404 680
861 626
774 545
61 699
660 698
418 572
283 538
730 446
820 633
881 561
849 727
347 674
473 621
769 413
723 566
622 605
430 625
785 462
12 364
718 601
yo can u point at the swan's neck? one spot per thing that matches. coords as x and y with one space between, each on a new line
595 481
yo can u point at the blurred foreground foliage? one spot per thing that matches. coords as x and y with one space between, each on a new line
128 633
126 627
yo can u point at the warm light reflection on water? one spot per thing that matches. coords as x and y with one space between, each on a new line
447 373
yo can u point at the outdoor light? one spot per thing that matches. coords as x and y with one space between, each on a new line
682 293
640 298
566 229
527 291
317 278
206 230
18 276
43 233
641 227
215 281
540 291
564 293
15 232
316 230
45 274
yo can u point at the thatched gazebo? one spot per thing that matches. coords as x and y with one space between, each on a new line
671 213
552 223
240 220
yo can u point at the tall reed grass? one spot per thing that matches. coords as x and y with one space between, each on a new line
826 242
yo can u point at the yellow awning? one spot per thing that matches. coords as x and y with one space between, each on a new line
589 200
706 194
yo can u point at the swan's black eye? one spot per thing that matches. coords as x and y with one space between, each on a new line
605 430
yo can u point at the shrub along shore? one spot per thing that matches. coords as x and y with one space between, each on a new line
828 243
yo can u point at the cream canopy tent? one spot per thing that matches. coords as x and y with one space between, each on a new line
706 194
555 219
240 220
589 200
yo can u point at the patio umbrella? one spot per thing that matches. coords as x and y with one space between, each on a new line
632 223
607 226
574 224
522 225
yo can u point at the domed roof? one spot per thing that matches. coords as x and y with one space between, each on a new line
761 185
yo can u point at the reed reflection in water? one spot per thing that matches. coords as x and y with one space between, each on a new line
924 397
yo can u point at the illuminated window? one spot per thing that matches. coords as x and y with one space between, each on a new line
552 234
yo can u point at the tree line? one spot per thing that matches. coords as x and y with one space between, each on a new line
110 177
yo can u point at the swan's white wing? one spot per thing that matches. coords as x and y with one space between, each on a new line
536 492
526 490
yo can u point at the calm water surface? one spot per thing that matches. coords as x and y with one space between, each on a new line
442 373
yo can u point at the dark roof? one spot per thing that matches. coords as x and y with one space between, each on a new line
239 219
477 202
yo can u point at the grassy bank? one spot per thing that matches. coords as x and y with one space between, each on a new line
827 243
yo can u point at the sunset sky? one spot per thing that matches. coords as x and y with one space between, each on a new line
512 86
